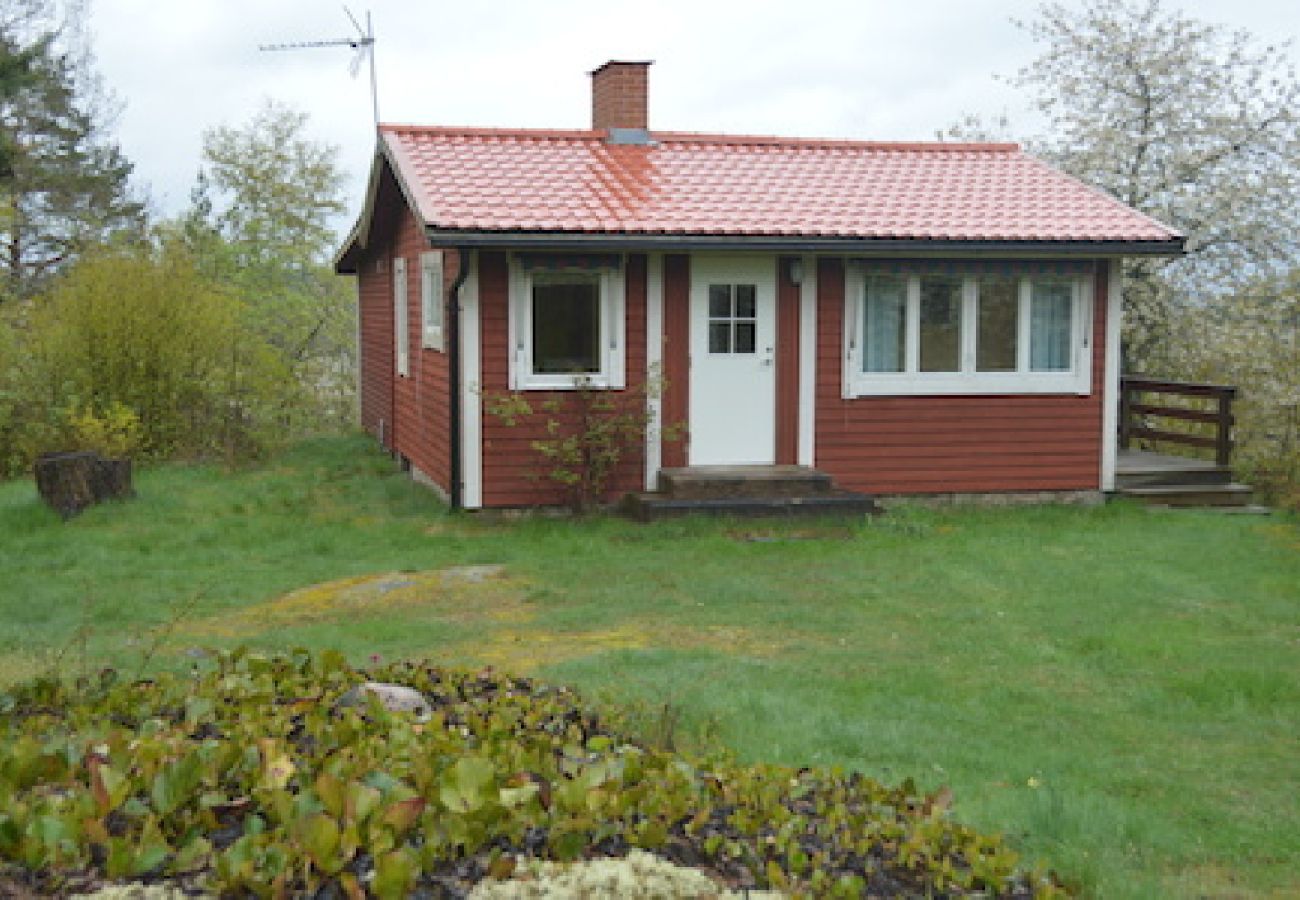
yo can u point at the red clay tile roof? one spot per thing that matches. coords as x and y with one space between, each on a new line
488 180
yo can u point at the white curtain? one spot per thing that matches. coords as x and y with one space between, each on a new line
1049 326
883 324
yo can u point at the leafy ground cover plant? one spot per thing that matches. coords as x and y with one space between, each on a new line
246 777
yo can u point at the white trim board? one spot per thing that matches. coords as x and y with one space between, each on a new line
808 362
654 353
471 393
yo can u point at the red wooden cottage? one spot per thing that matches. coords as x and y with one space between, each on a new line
910 318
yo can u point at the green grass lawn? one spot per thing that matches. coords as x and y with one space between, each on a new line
1118 690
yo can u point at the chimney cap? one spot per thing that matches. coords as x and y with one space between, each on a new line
621 62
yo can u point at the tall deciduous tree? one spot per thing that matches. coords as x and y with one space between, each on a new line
261 219
66 186
1192 123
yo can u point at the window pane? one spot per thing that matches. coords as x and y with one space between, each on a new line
744 337
995 342
719 301
940 323
883 326
744 301
719 337
566 325
1049 326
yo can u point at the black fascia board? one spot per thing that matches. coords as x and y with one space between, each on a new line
519 240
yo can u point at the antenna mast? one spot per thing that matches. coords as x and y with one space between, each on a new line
363 43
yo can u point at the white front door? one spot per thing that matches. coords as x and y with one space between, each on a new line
733 361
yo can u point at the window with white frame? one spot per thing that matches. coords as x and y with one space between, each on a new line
566 324
401 314
431 302
982 332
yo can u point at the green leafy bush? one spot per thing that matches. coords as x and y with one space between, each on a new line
247 777
136 350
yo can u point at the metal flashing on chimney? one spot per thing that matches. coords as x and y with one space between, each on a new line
638 137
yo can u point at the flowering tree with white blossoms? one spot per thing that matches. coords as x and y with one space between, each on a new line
1192 123
1198 126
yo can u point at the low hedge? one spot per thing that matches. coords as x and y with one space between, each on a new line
247 777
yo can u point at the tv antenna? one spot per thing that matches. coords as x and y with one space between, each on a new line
363 44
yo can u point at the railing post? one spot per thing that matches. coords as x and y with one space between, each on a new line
1223 445
1125 437
1125 426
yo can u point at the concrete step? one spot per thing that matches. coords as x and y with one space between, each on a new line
1185 495
649 507
1172 476
734 482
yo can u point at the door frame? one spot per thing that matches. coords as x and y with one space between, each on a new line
763 270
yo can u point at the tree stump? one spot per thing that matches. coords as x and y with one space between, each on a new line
70 482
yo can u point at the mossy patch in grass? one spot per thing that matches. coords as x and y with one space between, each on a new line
458 593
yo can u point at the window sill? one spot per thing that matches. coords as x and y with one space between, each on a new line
566 383
985 384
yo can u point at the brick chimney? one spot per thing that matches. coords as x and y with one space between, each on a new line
619 92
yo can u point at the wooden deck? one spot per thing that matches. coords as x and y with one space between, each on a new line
1161 479
1142 462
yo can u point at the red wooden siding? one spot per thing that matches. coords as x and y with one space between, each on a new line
514 474
675 408
977 444
787 364
375 317
415 409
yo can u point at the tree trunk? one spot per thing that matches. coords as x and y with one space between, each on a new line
70 482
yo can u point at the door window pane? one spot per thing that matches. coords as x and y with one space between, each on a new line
744 337
999 307
566 324
719 301
884 331
1049 326
719 337
940 325
744 301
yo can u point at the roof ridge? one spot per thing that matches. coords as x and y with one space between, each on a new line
697 137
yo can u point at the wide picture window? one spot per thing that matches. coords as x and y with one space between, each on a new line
977 333
567 329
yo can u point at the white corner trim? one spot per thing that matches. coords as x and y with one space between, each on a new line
1110 388
471 393
654 358
848 330
808 362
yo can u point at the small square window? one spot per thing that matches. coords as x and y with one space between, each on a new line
566 325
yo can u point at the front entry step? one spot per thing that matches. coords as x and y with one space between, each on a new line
747 491
729 482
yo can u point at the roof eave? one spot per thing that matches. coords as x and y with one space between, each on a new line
800 243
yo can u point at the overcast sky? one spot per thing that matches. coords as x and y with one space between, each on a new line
867 69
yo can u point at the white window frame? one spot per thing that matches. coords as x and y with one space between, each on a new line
432 308
612 334
1075 380
401 319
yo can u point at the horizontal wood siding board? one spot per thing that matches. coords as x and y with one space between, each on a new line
952 444
514 473
676 354
787 364
422 400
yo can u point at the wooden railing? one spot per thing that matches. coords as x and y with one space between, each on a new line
1145 399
